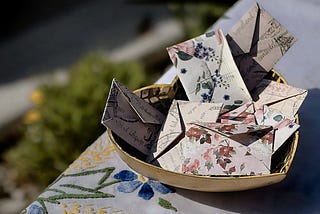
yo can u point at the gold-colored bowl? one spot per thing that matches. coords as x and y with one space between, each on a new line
160 96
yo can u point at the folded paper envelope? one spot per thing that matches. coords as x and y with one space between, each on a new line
207 70
243 114
230 130
284 127
131 118
257 42
181 113
285 98
206 152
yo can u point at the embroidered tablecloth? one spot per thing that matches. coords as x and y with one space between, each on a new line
100 182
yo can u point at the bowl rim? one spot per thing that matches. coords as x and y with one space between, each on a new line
282 171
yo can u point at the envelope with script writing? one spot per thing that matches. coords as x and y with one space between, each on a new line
207 70
131 118
284 98
206 151
257 42
181 113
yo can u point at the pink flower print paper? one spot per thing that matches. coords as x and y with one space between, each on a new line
205 152
284 127
181 113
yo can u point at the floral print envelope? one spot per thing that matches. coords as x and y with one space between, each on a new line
205 152
180 113
207 70
284 127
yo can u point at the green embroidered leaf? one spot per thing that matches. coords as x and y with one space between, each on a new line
106 176
107 170
56 198
55 190
184 56
85 189
41 202
203 75
166 204
107 184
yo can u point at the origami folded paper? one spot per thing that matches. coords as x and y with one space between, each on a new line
181 113
206 152
229 130
257 42
284 127
207 70
257 113
285 98
131 118
243 114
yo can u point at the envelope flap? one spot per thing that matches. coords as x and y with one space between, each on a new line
236 112
229 130
196 111
269 92
241 35
171 133
258 26
144 110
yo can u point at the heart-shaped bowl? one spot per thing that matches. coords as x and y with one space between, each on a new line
161 96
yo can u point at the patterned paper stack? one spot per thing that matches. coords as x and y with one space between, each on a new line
250 127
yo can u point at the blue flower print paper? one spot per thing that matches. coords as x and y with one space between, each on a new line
207 71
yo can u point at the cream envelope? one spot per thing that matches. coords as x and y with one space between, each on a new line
283 126
207 70
205 152
257 42
181 113
284 98
131 118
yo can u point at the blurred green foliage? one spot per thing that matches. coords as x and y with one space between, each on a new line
67 117
197 18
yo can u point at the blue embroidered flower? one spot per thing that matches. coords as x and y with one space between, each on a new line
130 181
35 209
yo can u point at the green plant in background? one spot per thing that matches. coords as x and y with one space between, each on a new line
197 18
67 117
